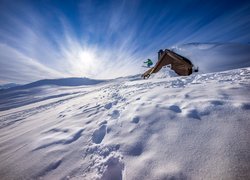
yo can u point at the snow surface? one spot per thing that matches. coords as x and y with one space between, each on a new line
166 127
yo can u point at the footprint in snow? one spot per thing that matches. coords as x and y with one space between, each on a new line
135 149
135 120
175 108
217 103
115 114
108 106
114 169
99 134
194 114
246 106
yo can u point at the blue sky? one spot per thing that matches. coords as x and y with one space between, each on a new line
107 39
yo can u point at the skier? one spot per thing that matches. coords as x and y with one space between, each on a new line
149 63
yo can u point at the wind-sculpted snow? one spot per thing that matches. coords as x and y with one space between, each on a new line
42 90
166 127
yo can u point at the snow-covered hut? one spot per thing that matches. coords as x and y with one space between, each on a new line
181 65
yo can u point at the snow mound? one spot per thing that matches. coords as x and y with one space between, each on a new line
165 72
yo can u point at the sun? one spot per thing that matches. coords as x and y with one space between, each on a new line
86 58
85 62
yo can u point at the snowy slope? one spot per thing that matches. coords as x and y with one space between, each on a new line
194 127
42 90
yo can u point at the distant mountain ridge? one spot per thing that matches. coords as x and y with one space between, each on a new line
9 85
59 82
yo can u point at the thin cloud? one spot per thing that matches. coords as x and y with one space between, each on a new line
17 67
